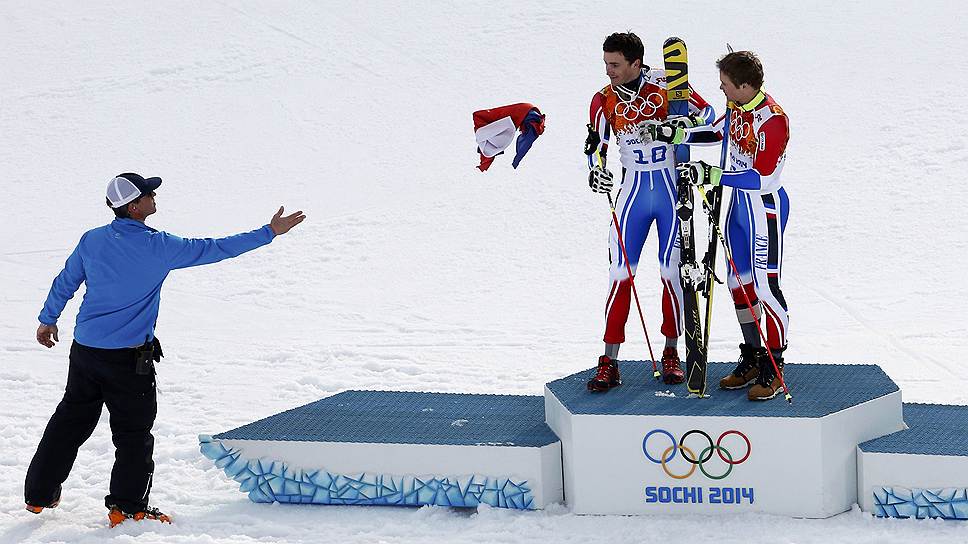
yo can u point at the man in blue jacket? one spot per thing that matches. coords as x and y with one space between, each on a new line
123 265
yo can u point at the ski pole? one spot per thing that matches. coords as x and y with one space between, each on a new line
628 268
711 278
749 303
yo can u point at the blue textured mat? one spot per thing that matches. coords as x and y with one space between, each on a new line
818 390
934 429
397 417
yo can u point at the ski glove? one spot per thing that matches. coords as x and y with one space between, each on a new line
592 141
653 131
600 180
686 121
699 173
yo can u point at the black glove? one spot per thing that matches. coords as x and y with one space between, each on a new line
592 140
699 173
653 131
686 121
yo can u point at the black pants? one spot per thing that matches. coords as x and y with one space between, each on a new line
99 377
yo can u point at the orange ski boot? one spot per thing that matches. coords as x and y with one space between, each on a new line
116 516
37 508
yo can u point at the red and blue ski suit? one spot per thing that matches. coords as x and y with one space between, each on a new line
647 194
759 209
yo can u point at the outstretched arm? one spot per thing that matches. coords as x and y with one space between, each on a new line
185 252
763 177
708 134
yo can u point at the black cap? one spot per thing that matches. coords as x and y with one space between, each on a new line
145 185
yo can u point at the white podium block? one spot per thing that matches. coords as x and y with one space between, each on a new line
397 448
920 472
645 448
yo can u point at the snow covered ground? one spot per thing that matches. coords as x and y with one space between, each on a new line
414 270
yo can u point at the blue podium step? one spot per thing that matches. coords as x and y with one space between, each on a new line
933 429
818 390
921 471
399 417
397 448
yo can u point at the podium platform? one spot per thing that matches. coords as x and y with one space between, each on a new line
397 448
645 447
919 472
641 448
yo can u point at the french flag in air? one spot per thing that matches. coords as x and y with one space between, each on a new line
495 128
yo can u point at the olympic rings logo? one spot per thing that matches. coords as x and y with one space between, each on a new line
738 127
638 106
696 461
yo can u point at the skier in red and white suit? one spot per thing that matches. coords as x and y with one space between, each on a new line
756 220
647 195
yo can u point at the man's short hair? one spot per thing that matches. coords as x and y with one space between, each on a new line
121 212
626 43
742 67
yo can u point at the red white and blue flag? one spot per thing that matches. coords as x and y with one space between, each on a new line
496 127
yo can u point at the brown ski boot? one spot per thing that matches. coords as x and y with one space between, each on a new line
747 369
768 384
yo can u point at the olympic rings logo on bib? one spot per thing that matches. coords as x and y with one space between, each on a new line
689 455
638 107
738 127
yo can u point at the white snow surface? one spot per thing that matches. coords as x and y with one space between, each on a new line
414 271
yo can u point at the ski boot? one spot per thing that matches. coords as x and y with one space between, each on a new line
671 370
606 377
747 369
37 508
116 516
768 384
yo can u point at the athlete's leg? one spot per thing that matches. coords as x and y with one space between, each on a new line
631 210
667 229
769 217
770 213
739 228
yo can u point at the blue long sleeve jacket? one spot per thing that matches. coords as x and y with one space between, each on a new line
124 265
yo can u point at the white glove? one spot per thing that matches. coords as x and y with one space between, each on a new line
600 180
